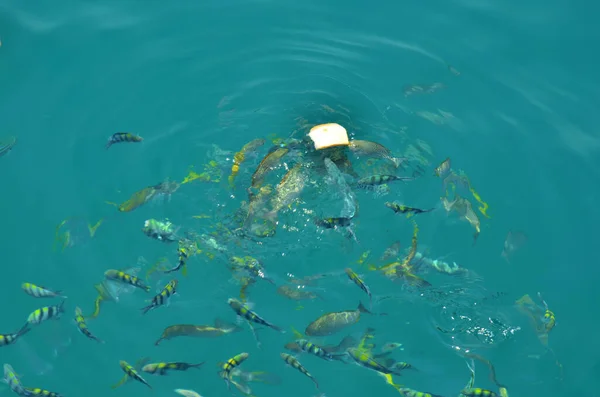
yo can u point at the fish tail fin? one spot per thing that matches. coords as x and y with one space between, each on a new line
109 144
158 341
146 309
197 365
276 328
24 329
361 308
61 306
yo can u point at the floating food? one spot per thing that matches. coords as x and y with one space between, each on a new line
328 135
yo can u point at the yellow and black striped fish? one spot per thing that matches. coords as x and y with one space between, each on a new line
40 315
123 137
478 392
40 292
182 257
315 350
163 368
332 223
294 363
228 366
361 284
120 276
406 392
403 209
12 380
9 339
364 359
243 311
376 180
36 391
132 373
82 326
163 297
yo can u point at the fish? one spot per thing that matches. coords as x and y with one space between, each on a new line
288 190
182 257
243 311
364 359
267 164
390 346
442 170
82 326
422 88
373 149
376 180
13 381
297 292
36 391
403 209
9 339
199 331
40 292
360 283
294 363
162 231
333 322
132 373
478 392
391 252
45 313
228 366
163 368
163 297
187 393
315 350
514 240
333 223
240 156
465 210
119 137
122 277
406 392
7 144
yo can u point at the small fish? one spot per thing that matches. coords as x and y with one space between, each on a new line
422 89
294 363
376 180
403 209
373 149
240 156
333 322
442 170
163 368
268 163
122 137
162 231
243 311
7 144
514 241
228 366
36 391
200 331
122 277
163 297
390 346
364 359
40 292
82 326
360 283
9 339
315 350
333 223
182 257
12 380
478 392
132 373
297 292
406 392
45 313
187 393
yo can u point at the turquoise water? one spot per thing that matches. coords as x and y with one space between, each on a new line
519 120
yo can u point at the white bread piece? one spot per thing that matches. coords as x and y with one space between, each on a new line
328 135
